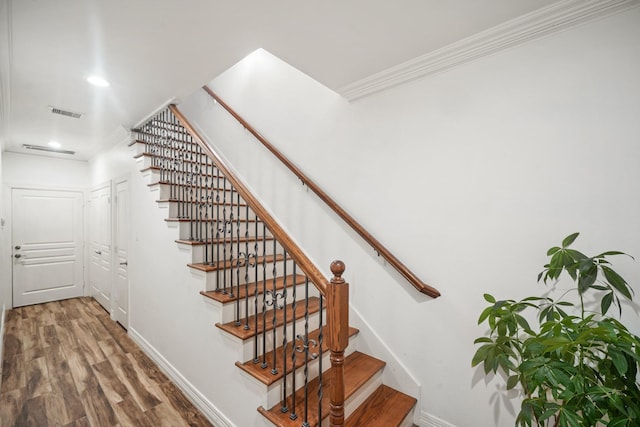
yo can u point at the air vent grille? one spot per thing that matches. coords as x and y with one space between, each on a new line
49 149
60 111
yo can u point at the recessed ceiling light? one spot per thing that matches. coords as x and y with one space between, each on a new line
54 144
98 81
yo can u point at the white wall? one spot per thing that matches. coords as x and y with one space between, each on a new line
23 170
4 264
44 172
468 176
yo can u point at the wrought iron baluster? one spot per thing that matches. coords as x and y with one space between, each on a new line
320 373
294 353
248 264
240 257
255 299
284 407
193 220
264 301
224 235
304 348
274 318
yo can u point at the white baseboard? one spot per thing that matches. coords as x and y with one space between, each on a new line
2 316
428 420
193 394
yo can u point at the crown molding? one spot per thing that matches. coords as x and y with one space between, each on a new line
547 20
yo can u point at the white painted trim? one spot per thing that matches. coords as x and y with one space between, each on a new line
555 17
193 394
428 420
395 374
2 318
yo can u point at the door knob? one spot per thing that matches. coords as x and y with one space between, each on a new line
17 247
124 263
18 256
98 252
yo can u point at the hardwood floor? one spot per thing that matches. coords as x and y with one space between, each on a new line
66 363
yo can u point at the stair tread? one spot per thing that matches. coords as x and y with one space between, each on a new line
358 369
207 220
240 332
204 163
263 372
224 298
242 204
220 241
159 169
177 184
386 407
228 264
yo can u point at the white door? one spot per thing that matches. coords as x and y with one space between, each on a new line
47 245
100 245
121 281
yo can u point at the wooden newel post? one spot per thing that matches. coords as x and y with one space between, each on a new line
338 325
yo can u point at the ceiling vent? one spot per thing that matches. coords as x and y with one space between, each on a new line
60 111
49 149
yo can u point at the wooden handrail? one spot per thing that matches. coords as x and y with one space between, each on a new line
377 246
303 261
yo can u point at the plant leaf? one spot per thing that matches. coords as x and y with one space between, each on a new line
569 239
619 361
616 281
552 250
485 313
512 382
606 303
489 298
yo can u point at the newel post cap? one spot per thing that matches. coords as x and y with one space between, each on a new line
337 268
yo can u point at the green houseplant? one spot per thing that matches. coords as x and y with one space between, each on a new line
575 366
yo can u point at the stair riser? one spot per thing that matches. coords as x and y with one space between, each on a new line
274 392
356 399
247 345
164 150
149 160
155 175
229 309
185 230
212 277
191 194
215 211
232 249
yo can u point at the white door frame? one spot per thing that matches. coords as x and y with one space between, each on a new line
6 231
89 248
114 239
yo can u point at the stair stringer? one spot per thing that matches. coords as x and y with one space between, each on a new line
395 374
174 326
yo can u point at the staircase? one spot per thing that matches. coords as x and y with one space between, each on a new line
288 320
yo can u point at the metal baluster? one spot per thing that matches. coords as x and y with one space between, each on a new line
320 374
264 302
284 407
222 235
248 264
305 349
294 353
193 220
240 258
198 186
255 299
274 293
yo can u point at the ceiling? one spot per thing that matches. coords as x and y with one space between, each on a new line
152 51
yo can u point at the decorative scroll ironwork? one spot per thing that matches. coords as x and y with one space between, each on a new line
248 264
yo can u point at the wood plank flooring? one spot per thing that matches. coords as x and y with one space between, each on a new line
66 363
